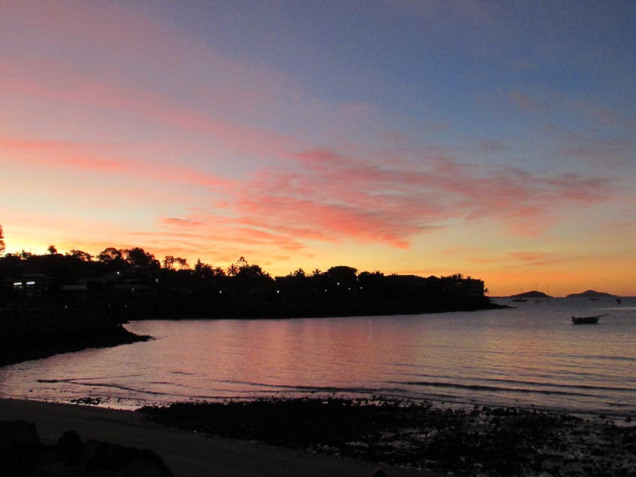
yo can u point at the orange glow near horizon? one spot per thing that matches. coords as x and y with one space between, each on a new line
176 131
550 281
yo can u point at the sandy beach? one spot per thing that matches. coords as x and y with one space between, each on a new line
187 454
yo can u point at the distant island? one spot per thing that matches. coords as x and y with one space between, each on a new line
531 294
591 294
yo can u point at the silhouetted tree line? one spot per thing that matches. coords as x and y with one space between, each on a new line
133 284
2 245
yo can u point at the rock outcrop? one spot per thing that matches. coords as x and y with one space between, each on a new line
34 333
23 454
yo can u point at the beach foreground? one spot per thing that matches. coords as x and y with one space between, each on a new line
186 453
476 440
344 437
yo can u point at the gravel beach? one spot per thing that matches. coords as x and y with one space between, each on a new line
344 437
186 453
478 440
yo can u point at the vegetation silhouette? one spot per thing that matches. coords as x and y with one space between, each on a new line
133 284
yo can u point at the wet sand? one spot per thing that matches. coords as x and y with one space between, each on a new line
186 453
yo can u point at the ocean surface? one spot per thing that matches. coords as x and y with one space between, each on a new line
530 356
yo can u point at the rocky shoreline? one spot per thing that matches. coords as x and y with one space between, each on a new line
479 441
39 332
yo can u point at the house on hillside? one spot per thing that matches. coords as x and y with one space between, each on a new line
31 286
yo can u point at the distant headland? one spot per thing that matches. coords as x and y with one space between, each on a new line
591 294
531 294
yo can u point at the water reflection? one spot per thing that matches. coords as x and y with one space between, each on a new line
530 355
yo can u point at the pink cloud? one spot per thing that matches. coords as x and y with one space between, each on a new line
62 153
337 197
223 98
215 229
535 258
179 223
162 110
98 158
325 222
322 195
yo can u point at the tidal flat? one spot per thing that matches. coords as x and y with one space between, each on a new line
491 441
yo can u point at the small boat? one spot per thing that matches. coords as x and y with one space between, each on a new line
585 320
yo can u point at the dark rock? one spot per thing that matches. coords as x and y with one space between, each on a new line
19 446
97 454
44 331
69 446
23 455
147 464
10 458
100 456
56 468
21 434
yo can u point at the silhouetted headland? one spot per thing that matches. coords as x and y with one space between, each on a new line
38 332
54 303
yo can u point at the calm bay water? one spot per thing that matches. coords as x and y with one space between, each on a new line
529 355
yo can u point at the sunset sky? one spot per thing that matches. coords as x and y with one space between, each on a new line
496 139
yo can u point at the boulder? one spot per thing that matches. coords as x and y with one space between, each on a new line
21 434
22 454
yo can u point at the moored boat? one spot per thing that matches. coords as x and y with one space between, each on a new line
585 320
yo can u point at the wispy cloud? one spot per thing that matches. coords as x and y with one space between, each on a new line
99 159
333 197
537 259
